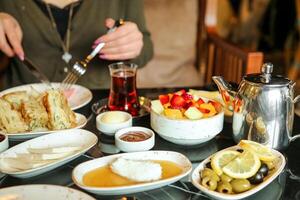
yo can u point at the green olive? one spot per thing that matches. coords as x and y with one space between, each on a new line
240 185
209 183
225 178
224 187
209 172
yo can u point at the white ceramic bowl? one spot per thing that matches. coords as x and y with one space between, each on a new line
3 143
110 128
185 131
134 146
279 166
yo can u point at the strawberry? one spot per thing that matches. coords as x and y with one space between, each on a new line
187 96
177 102
188 104
200 101
180 92
164 99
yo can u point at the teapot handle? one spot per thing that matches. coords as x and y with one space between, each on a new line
296 100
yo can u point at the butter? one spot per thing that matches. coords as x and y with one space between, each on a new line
113 117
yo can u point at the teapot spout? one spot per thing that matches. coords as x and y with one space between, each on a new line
225 89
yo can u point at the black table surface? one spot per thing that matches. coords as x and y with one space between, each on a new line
286 186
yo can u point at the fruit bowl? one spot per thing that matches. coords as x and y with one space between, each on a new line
185 119
185 131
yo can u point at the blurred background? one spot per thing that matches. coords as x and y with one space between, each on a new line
195 39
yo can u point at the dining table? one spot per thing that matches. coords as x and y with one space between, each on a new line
286 186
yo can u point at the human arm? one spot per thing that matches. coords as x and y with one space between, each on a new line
136 44
10 36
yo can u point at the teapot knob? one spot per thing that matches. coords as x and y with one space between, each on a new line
267 68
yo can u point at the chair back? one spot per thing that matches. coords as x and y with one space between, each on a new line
230 61
220 56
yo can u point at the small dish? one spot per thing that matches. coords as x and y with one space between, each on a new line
134 139
220 196
3 142
111 121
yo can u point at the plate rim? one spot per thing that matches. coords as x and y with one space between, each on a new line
18 136
245 194
49 185
3 92
136 186
24 172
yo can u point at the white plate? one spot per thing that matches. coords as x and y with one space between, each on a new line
76 137
45 192
80 120
79 95
83 168
216 195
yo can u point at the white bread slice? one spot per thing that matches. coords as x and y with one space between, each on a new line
34 114
59 112
16 98
11 120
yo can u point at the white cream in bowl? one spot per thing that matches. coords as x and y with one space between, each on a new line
111 121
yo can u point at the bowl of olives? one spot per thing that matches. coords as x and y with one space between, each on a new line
237 172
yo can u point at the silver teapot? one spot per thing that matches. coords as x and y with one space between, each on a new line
263 108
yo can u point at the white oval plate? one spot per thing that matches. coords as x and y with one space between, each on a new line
79 95
83 168
216 195
80 120
76 137
45 192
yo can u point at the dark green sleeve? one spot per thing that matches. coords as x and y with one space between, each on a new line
135 13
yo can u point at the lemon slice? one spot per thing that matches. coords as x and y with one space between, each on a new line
221 159
244 165
263 152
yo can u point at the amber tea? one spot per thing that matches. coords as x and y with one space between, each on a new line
123 95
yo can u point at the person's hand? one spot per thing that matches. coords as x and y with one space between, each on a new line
10 36
124 43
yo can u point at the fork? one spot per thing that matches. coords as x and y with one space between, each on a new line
79 68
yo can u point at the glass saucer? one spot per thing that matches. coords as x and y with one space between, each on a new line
102 106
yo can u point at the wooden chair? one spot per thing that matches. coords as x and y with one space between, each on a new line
222 57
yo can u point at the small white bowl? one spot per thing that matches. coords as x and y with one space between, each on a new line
111 121
127 146
3 143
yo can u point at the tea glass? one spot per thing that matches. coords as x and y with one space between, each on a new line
123 95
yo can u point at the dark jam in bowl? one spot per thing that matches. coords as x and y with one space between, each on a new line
134 136
2 137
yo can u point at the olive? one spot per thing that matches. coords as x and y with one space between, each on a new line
240 150
240 185
209 172
209 183
208 165
264 169
224 187
257 178
225 178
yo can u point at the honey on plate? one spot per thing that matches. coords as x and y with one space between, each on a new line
105 177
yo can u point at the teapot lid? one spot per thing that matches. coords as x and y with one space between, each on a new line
267 78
